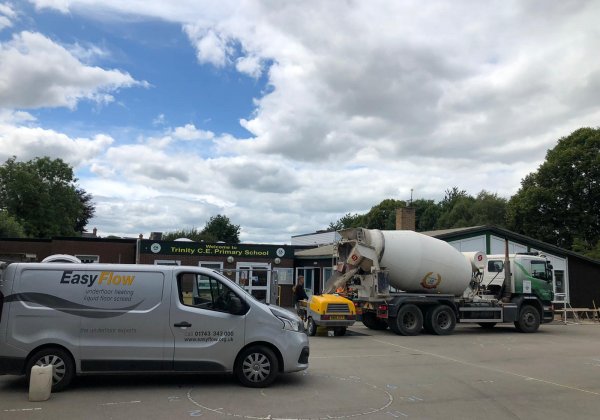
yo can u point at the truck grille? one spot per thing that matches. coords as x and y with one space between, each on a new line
338 307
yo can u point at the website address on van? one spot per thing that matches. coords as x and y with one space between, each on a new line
208 339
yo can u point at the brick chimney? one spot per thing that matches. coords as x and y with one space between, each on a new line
406 218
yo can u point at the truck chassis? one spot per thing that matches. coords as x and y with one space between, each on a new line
409 313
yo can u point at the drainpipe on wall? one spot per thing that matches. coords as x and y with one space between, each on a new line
138 245
507 285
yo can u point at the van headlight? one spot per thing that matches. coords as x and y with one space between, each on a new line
290 321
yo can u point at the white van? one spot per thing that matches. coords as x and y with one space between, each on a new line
116 318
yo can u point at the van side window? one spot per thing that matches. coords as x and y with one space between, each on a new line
200 291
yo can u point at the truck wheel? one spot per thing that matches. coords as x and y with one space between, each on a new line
441 320
370 320
409 320
487 325
339 331
427 321
62 365
256 367
529 320
311 327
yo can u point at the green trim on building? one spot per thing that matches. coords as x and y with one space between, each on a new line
151 247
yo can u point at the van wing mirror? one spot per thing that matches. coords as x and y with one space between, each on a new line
236 306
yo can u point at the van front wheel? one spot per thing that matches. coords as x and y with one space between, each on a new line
63 368
257 367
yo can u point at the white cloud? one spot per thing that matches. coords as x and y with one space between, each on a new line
212 47
159 120
190 132
29 142
36 72
7 15
249 65
363 101
9 116
87 53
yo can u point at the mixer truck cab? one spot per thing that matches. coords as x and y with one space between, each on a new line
409 282
118 318
531 279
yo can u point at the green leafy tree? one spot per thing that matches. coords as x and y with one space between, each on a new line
10 227
427 212
87 210
42 196
560 202
193 234
347 221
489 209
221 228
383 215
456 209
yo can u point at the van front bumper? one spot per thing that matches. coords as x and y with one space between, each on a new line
296 351
12 366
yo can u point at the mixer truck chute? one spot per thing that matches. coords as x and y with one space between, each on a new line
408 281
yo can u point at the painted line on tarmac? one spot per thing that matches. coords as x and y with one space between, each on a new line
121 402
506 372
18 410
353 379
342 356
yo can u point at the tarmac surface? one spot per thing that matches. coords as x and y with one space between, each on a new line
472 374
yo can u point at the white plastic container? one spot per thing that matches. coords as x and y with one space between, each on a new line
40 383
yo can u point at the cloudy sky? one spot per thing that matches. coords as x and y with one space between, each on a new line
286 115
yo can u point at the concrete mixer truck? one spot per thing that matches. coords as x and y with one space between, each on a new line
408 282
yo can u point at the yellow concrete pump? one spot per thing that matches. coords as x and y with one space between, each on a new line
330 311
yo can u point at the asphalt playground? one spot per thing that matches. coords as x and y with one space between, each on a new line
472 374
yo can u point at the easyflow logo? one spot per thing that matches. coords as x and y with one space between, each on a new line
102 279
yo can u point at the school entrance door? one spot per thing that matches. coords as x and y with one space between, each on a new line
256 279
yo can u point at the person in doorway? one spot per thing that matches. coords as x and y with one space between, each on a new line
299 294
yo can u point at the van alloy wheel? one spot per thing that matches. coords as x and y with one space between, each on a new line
257 367
58 366
63 367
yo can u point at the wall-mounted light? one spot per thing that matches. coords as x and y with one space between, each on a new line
277 260
230 259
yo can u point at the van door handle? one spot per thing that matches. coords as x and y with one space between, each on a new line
183 324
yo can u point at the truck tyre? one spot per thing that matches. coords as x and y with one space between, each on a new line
427 321
529 319
409 320
370 320
311 327
339 331
256 367
487 325
62 363
441 320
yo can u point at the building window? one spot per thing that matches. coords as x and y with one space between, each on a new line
213 265
167 262
285 275
88 259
